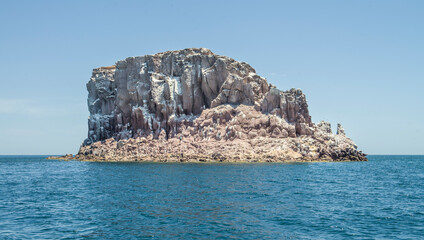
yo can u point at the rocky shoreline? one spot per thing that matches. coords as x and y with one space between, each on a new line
194 106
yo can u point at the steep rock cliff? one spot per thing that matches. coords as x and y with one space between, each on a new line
200 104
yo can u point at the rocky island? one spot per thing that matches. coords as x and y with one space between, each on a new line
192 105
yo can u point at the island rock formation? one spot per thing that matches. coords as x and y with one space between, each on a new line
194 105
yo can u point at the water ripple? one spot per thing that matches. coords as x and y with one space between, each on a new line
44 199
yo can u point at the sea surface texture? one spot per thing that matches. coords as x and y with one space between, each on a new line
50 199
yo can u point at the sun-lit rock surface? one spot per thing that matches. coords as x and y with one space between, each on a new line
193 105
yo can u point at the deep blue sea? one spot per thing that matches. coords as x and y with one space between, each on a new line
52 199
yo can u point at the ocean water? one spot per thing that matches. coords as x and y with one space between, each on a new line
51 199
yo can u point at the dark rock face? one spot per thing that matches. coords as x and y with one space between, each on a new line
101 104
166 95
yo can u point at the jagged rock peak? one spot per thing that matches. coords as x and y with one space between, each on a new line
186 52
340 130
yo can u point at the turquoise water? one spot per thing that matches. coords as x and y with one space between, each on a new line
49 199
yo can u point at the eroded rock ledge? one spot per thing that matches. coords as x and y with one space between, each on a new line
193 105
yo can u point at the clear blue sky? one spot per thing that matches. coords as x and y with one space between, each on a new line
360 63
